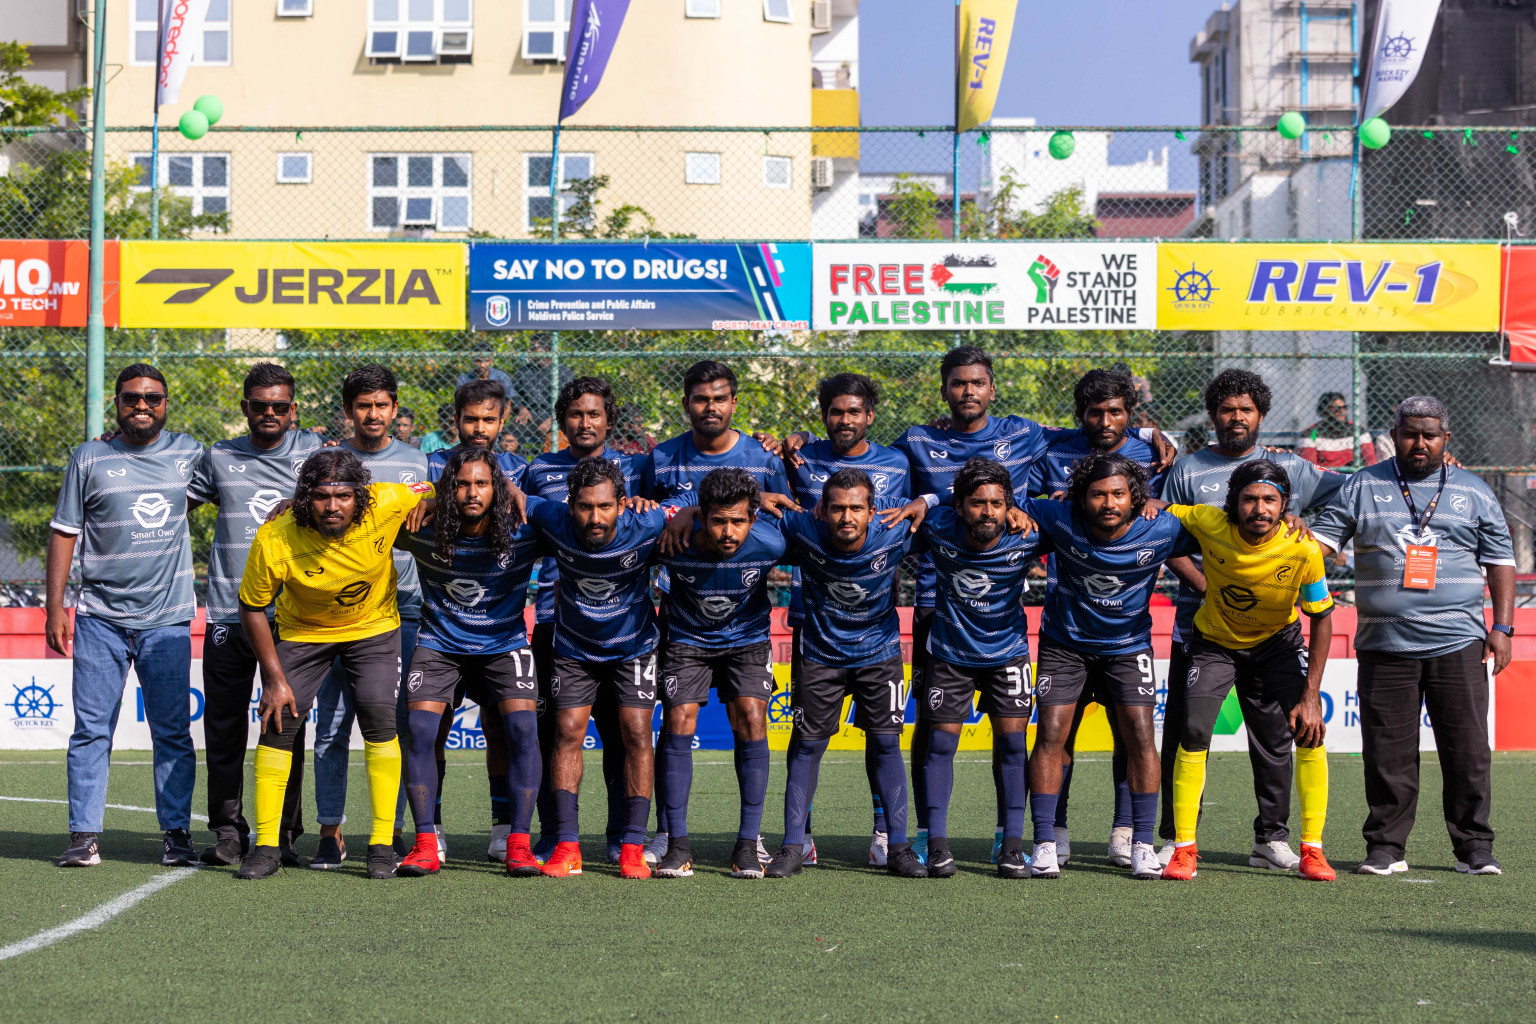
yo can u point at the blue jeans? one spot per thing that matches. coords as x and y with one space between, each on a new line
333 736
162 659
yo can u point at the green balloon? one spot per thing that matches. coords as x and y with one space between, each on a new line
210 107
1375 133
1061 145
1291 125
193 125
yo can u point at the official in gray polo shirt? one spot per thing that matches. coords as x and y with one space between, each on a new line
124 503
1424 534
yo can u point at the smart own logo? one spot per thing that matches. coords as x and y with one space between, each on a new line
263 502
1239 598
465 592
151 510
595 589
716 609
354 594
971 584
849 595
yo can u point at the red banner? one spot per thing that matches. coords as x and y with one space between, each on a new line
46 284
1519 312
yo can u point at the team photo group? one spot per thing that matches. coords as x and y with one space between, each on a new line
365 580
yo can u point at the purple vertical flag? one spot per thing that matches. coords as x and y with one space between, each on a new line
595 27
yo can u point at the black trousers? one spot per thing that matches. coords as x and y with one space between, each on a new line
1394 692
229 669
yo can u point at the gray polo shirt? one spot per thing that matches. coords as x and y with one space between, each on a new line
398 463
1469 530
128 505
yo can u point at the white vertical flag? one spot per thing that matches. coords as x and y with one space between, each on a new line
1397 50
181 33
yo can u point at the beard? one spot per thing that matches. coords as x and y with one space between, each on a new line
985 531
1234 438
140 434
332 532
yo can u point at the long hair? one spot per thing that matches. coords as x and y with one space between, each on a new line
1102 465
500 512
331 465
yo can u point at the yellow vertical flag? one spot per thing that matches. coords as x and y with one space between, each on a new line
982 32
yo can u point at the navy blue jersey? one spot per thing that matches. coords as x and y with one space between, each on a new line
1052 472
472 602
850 597
977 618
514 466
547 478
721 603
1098 593
603 608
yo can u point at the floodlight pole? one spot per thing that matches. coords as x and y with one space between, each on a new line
954 213
96 322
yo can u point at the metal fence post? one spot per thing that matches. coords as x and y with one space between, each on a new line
96 323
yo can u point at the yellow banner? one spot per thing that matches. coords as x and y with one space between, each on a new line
983 31
1260 286
293 284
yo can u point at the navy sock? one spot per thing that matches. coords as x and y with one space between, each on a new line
800 788
893 784
999 757
789 755
874 787
567 825
520 786
501 797
421 766
1066 792
919 788
752 779
1042 807
939 778
663 764
437 801
1124 815
1143 816
547 776
638 815
1015 775
679 776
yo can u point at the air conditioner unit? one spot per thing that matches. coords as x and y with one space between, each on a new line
821 172
821 15
295 8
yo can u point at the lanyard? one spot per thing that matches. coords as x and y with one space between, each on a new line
1413 512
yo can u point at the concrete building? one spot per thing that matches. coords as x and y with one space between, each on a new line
55 35
835 180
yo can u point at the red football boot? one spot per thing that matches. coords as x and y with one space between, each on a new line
1182 867
422 860
1314 866
520 859
632 861
565 860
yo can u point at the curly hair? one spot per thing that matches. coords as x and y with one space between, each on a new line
1103 386
574 389
1257 471
979 472
721 488
449 522
855 384
331 465
1103 465
1232 382
590 472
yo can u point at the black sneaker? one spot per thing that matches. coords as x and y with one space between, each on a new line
401 845
744 860
1479 862
1380 861
381 861
178 850
1010 859
225 851
903 863
331 852
261 862
286 853
941 863
82 851
678 863
786 862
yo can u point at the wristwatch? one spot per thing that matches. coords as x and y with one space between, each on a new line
1506 630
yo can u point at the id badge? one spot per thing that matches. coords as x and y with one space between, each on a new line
1419 569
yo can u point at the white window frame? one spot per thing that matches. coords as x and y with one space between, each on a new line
789 166
697 170
561 27
436 192
531 191
136 26
306 9
436 28
197 191
701 8
789 12
309 168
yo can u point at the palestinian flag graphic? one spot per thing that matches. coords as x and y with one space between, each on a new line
972 275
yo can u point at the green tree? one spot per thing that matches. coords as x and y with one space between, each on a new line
585 219
52 199
1062 215
25 104
913 209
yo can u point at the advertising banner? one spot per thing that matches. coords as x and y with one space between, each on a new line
1254 286
1016 286
46 284
360 285
651 286
1520 302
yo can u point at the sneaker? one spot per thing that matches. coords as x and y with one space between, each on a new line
286 853
1276 855
903 862
1478 862
1144 862
423 858
1314 866
997 845
520 861
879 849
330 854
401 845
1165 854
1063 846
563 860
1182 867
497 851
808 852
920 845
613 852
745 859
225 851
678 863
1045 862
442 843
1120 853
1381 862
632 862
381 860
82 851
545 847
656 848
261 862
178 849
786 862
1011 862
941 863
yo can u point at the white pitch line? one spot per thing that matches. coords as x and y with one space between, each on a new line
110 807
98 917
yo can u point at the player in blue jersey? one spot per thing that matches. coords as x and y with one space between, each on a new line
586 413
979 644
605 640
473 564
1096 638
480 411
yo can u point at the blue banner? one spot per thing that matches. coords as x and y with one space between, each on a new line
667 286
595 28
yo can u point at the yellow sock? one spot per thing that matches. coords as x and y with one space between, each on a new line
1188 785
272 766
383 761
1312 784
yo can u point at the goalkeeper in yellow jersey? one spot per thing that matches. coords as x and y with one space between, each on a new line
329 564
1256 571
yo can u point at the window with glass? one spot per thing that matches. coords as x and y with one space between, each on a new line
213 46
419 190
538 206
201 177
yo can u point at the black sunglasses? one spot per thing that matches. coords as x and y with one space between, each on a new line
259 407
129 399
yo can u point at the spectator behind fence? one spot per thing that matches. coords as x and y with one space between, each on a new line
445 436
533 389
404 424
485 357
1334 442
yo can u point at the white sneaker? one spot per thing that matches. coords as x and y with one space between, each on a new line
1276 855
1120 853
808 848
1165 854
762 851
497 851
879 846
1145 862
442 843
656 848
1044 863
1063 847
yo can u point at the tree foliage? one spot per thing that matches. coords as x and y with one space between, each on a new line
25 104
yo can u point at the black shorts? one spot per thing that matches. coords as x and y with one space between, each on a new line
688 673
485 679
1007 691
879 695
370 666
1065 676
1271 670
579 684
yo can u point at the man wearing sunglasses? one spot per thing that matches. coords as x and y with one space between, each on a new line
125 503
246 477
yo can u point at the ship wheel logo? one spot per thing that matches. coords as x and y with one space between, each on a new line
1193 286
1398 47
34 704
